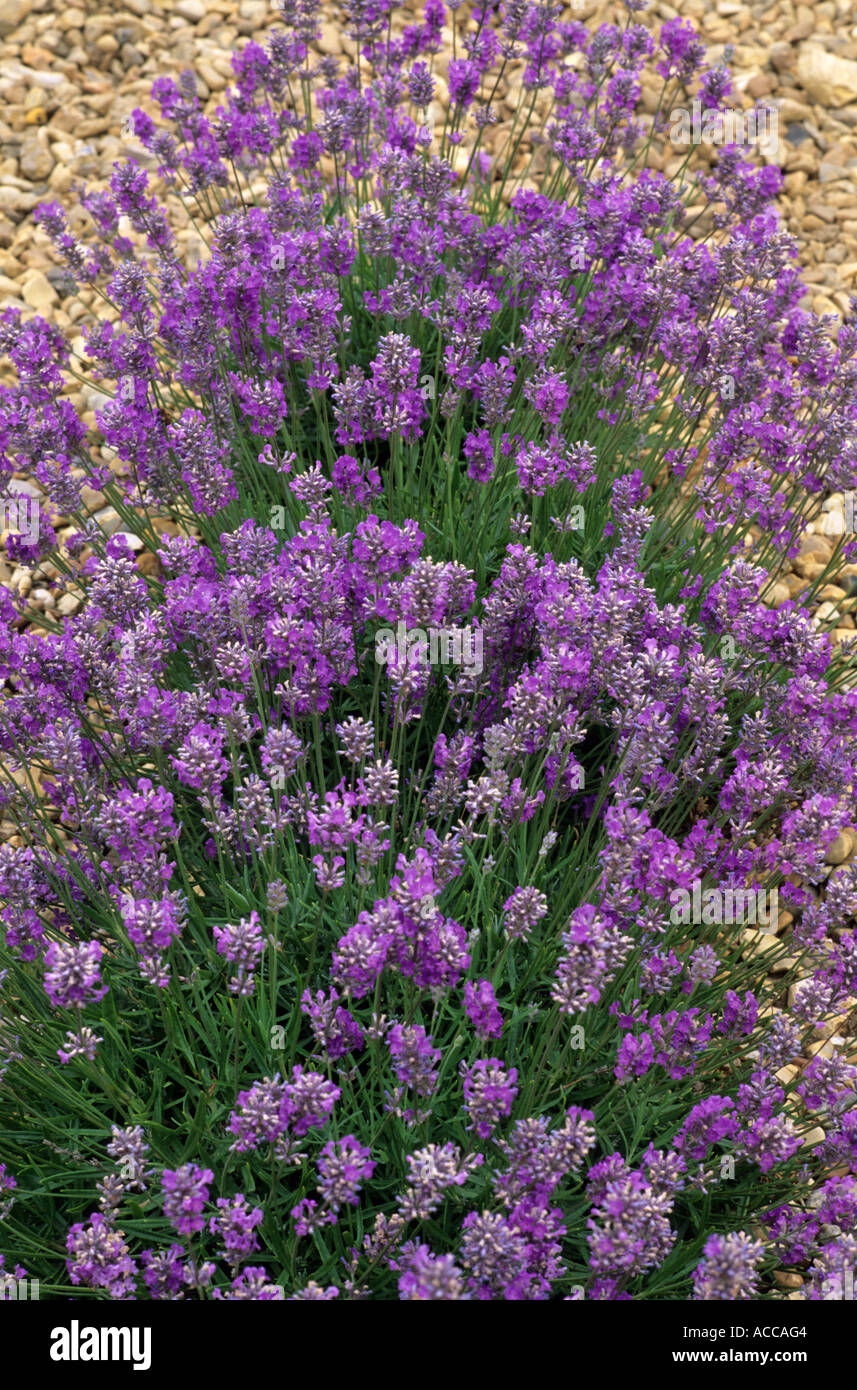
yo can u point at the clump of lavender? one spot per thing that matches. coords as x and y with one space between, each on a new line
449 675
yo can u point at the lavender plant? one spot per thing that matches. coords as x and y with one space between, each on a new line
336 964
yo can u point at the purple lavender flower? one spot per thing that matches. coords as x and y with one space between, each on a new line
344 1164
540 1158
593 950
840 1144
657 972
73 974
335 1030
99 1258
431 1171
242 944
309 1217
769 1140
523 911
128 1147
252 1284
164 1272
702 964
235 1224
185 1195
260 1115
263 403
415 1058
7 1184
489 1094
427 1276
729 1268
832 1273
516 1256
826 1082
276 896
629 1229
152 925
481 1008
738 1016
79 1044
315 1292
709 1122
684 52
132 821
309 1100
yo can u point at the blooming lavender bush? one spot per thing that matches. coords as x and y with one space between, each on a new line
327 975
